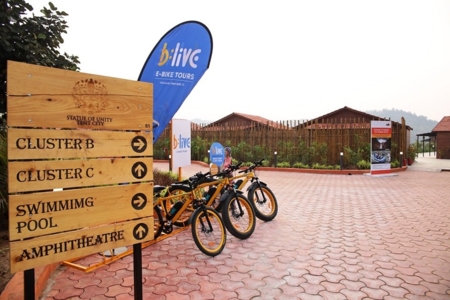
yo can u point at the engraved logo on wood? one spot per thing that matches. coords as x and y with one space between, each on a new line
90 95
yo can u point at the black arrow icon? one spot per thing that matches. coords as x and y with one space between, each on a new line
139 201
140 231
139 144
139 170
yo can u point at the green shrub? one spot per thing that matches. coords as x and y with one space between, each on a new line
301 154
318 153
359 152
243 151
199 147
411 152
284 164
300 165
363 165
395 164
164 178
319 166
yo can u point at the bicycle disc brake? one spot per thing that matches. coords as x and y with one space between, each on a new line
205 228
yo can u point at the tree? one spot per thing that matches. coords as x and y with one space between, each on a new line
31 39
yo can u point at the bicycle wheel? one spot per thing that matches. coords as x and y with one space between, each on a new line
182 221
158 222
264 202
208 231
239 216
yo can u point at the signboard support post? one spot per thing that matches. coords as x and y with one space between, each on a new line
137 267
179 174
29 290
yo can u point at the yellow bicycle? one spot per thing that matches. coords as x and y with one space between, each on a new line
264 202
262 197
220 193
207 226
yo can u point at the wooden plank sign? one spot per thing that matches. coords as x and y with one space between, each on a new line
48 143
30 176
44 250
38 214
48 97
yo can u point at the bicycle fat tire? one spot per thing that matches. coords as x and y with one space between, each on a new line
265 210
208 231
158 222
239 224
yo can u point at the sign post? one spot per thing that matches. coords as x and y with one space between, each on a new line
73 140
217 154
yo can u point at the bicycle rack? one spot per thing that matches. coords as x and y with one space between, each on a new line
106 259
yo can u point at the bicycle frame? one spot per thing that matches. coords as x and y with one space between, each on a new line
206 223
162 200
248 175
190 197
220 183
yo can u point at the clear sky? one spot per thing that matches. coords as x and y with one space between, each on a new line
281 60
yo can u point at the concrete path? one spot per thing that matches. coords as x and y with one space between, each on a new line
428 162
335 237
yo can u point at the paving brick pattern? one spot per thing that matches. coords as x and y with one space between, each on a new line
335 237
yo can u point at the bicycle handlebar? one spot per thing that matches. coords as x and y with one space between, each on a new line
252 167
199 176
230 169
193 181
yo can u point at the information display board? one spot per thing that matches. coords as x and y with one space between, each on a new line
380 154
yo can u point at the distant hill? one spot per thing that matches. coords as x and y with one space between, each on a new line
419 124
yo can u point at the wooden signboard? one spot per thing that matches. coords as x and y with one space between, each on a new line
91 137
48 249
39 214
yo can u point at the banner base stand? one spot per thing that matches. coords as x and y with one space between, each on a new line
115 251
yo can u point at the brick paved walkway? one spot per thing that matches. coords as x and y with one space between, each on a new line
335 237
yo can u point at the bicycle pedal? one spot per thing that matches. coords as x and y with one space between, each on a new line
167 229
